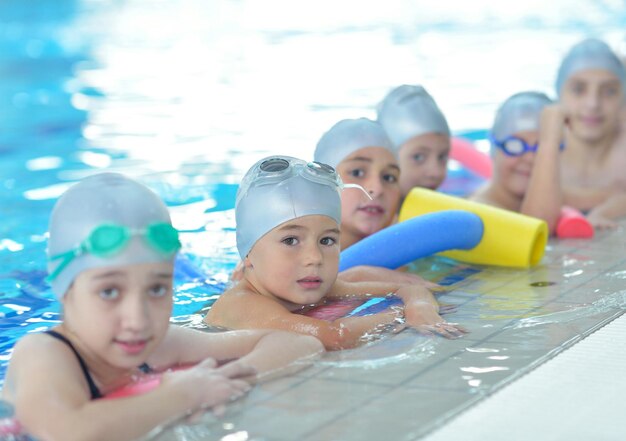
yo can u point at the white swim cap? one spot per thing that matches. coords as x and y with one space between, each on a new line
589 54
520 112
278 189
350 135
409 111
95 222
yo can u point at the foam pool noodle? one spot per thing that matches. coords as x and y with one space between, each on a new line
414 238
510 239
573 224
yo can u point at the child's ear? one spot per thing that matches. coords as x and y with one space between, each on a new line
247 263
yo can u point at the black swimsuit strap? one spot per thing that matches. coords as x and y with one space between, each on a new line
93 389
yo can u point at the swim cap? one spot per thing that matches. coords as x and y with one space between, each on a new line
278 189
409 111
347 136
520 112
589 54
102 200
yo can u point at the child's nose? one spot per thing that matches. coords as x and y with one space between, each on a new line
135 313
313 255
374 187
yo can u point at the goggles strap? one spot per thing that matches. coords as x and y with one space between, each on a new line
67 259
357 186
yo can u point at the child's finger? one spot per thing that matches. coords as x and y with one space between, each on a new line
236 370
208 363
447 309
219 410
447 330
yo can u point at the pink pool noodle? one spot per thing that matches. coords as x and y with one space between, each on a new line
573 224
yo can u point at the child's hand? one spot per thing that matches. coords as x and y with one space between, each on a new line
600 222
209 386
553 119
424 317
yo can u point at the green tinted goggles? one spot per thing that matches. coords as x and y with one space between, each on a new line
108 240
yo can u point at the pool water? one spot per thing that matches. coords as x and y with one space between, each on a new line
186 95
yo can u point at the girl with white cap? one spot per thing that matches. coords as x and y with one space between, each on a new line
111 256
361 152
290 257
590 85
420 136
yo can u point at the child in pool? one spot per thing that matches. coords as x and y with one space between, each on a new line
291 255
419 133
111 254
362 154
590 85
526 168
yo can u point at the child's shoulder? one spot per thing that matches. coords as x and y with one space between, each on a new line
240 304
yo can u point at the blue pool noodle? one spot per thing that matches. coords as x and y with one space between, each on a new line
415 238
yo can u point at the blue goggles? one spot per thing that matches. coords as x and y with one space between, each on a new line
514 146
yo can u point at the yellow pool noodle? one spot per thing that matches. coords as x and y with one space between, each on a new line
510 239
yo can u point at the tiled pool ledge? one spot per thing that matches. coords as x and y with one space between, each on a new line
407 386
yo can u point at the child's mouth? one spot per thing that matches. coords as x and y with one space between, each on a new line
373 210
310 282
132 347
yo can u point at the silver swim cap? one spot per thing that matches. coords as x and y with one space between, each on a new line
278 189
350 135
94 224
589 54
520 112
409 111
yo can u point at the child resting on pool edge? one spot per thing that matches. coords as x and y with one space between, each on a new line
526 143
362 154
111 253
290 257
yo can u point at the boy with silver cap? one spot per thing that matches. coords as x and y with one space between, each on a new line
590 85
288 214
525 145
111 259
419 133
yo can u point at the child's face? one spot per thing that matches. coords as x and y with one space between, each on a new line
120 314
377 171
424 161
297 261
593 99
513 172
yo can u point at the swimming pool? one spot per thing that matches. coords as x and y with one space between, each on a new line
186 95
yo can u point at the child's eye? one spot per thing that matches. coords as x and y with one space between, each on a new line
357 173
158 291
390 178
578 88
611 91
109 293
291 241
443 157
419 158
329 241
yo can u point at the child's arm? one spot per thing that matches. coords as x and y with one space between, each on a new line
544 198
269 353
363 273
254 311
52 400
421 309
604 215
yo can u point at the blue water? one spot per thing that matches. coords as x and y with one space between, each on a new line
185 95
